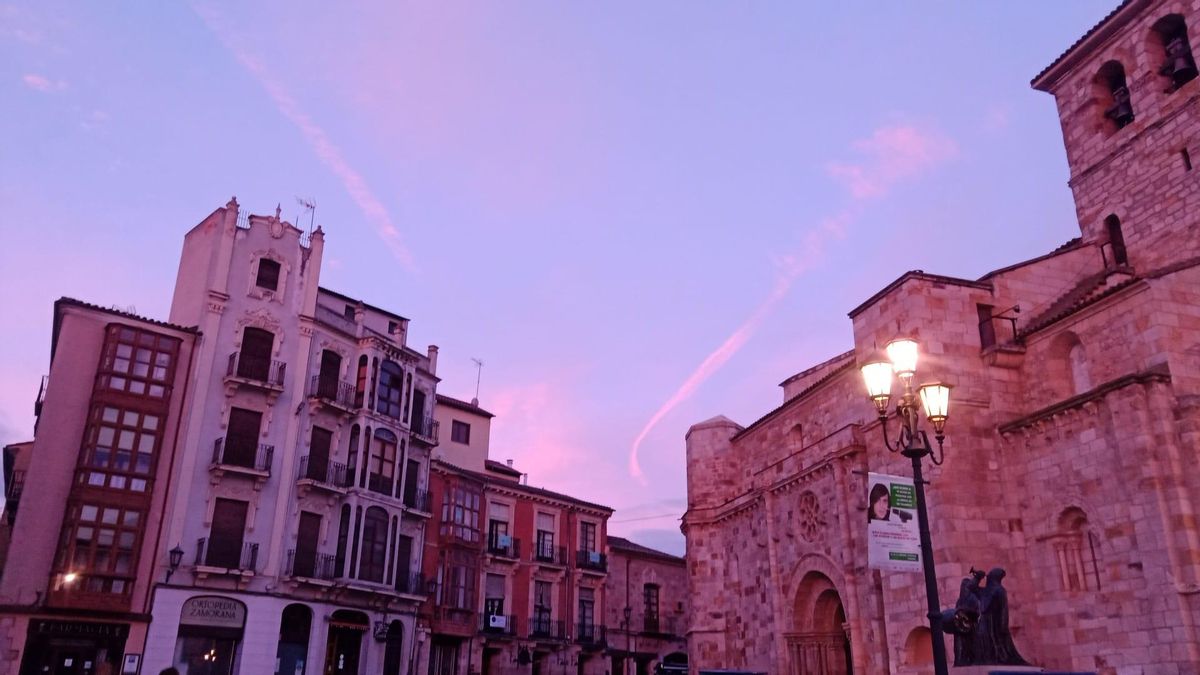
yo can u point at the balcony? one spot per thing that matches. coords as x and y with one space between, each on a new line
311 565
541 627
417 500
661 626
252 372
504 547
591 635
219 557
591 561
323 474
241 456
412 584
334 394
425 430
498 625
548 554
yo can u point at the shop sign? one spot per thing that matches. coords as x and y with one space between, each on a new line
80 628
213 610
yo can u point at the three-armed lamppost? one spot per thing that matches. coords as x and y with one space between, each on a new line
913 443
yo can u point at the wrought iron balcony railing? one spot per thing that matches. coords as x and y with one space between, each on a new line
241 452
323 472
263 371
591 634
412 584
504 546
550 554
498 624
542 627
591 560
311 565
217 553
379 483
418 500
425 429
340 394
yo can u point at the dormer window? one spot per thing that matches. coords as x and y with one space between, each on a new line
1179 66
1110 82
268 274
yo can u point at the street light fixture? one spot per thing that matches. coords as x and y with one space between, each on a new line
175 556
913 443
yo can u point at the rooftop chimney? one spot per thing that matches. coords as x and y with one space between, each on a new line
433 359
508 462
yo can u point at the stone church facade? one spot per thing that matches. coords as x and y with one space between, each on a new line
1074 429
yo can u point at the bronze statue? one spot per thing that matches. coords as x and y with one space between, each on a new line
979 623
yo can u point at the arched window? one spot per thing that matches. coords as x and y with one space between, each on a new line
360 382
1116 241
1077 360
1179 66
292 652
382 468
352 458
343 541
374 548
796 436
1075 550
391 389
1113 94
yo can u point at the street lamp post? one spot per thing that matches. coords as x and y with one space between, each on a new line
914 444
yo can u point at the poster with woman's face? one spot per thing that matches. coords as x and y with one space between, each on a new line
893 540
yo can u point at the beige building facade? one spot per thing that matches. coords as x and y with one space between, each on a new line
1073 429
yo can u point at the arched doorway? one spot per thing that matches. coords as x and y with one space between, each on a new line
344 645
820 643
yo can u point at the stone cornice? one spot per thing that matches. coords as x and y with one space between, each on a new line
1157 374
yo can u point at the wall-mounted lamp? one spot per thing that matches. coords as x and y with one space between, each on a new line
174 557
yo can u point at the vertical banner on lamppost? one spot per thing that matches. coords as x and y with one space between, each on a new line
893 537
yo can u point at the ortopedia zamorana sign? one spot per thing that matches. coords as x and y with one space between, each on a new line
213 610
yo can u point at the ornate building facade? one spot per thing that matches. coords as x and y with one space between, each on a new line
1073 430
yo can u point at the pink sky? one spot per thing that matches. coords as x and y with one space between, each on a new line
639 216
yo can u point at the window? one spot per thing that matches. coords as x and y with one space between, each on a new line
457 578
587 536
339 565
374 548
545 537
383 463
1116 240
587 612
99 544
138 362
352 458
650 595
254 359
391 389
268 274
460 432
1075 550
348 312
393 327
493 603
542 607
304 560
1187 159
987 329
1080 377
1179 67
411 485
498 539
360 382
121 449
226 539
460 514
292 651
1110 89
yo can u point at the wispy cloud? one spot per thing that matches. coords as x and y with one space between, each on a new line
320 143
891 154
42 83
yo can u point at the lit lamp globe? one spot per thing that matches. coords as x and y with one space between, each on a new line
877 374
903 354
935 398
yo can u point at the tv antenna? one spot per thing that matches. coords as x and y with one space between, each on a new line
478 376
310 205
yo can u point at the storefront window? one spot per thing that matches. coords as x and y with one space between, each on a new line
210 635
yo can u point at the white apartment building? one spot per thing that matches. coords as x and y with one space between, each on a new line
296 515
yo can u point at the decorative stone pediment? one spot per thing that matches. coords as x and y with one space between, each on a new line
259 318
